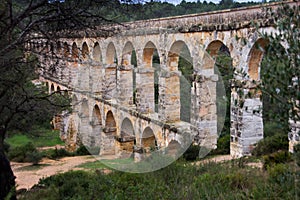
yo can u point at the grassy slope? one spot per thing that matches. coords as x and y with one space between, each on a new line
40 138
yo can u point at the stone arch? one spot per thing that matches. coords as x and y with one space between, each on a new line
96 118
75 52
96 126
110 121
127 128
110 83
52 89
148 53
127 138
178 83
66 50
109 134
97 55
85 51
150 75
58 89
222 65
127 53
255 57
176 51
173 148
111 54
148 139
214 47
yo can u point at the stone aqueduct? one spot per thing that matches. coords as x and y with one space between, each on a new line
98 73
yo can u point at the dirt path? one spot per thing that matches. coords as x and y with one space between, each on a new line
28 175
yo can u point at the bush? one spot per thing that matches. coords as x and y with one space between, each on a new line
280 173
25 153
57 153
34 157
271 144
276 158
223 145
192 153
82 150
272 127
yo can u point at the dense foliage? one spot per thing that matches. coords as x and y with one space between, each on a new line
177 181
140 10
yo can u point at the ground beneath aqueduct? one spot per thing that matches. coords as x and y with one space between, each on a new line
28 175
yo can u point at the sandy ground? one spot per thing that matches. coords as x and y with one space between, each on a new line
28 175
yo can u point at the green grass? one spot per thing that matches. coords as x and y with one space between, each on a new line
18 140
92 165
40 137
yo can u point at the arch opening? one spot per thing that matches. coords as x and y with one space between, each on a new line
110 83
173 148
179 59
97 56
148 140
52 88
222 66
127 54
111 55
255 58
151 60
96 118
85 51
75 53
110 133
127 138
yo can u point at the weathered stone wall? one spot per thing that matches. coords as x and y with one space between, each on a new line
101 74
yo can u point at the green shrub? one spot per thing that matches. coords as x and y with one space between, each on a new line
223 145
276 158
271 144
280 173
192 153
25 153
34 157
82 150
272 127
57 153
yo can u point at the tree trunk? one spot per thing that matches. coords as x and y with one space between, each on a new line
7 178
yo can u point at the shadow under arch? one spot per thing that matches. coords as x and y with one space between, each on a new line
108 135
97 54
148 140
127 138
